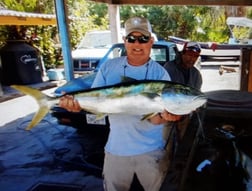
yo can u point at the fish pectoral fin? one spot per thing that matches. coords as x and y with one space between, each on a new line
127 79
148 116
99 116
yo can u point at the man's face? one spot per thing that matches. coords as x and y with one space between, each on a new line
138 46
189 58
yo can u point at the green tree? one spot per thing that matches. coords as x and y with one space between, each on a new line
212 24
88 16
174 21
45 38
200 23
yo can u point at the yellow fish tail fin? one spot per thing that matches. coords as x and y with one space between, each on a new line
41 113
41 100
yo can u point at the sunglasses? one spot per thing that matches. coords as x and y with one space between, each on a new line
194 49
192 53
140 39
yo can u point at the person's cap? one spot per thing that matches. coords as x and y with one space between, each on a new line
193 46
138 24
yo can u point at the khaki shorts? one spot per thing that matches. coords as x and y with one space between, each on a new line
150 169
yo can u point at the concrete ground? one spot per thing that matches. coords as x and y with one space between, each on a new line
57 154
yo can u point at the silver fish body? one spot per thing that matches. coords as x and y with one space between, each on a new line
141 98
144 97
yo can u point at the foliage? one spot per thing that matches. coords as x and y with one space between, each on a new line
213 25
199 23
86 18
240 32
249 12
99 12
176 21
250 34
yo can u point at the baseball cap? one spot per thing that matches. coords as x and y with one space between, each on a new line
193 46
138 24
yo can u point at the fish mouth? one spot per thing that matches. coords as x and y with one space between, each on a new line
201 98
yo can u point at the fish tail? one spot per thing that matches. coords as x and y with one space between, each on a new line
41 101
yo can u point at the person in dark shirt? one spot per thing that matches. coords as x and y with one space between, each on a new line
182 69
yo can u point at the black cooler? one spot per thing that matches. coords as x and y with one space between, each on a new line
19 64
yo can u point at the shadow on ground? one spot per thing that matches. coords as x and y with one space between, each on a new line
49 154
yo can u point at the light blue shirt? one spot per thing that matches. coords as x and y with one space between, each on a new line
128 134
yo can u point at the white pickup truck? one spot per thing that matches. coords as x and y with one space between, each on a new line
93 46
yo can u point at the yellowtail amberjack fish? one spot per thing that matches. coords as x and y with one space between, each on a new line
144 97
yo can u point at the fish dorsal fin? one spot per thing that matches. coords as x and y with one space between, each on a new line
127 79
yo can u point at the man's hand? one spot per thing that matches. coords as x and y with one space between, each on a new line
169 116
69 103
164 117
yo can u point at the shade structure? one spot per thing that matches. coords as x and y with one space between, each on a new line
10 17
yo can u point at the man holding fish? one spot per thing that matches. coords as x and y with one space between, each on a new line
134 146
